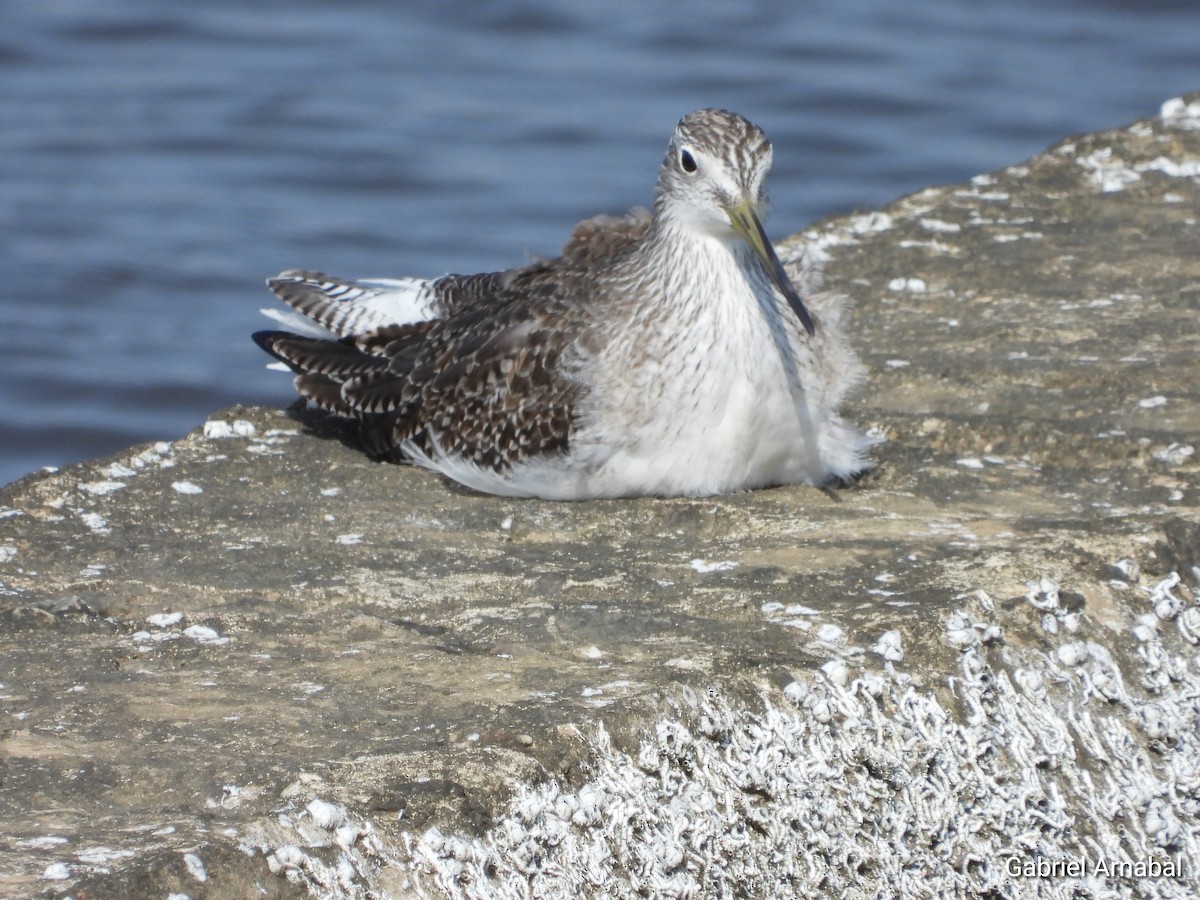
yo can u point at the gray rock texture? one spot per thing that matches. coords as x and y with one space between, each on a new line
254 663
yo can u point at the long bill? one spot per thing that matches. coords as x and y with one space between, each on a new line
745 221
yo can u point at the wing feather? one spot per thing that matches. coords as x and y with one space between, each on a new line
465 366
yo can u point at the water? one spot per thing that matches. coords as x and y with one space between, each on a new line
158 160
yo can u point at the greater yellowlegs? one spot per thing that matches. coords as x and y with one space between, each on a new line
663 353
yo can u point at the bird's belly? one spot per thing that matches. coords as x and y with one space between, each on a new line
732 428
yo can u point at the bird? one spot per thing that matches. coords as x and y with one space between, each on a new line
662 353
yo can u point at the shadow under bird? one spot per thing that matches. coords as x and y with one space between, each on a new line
664 353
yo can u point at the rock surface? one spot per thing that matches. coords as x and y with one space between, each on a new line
253 662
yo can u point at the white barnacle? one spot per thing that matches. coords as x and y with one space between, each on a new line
1073 654
1188 624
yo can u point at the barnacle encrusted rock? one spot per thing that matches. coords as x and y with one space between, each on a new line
251 662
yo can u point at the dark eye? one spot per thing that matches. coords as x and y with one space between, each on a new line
687 162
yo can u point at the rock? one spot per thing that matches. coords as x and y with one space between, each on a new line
254 662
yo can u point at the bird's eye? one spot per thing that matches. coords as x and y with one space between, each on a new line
687 162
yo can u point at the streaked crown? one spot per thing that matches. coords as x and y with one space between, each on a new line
716 159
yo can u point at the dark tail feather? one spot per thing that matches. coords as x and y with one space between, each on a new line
378 392
266 341
304 355
324 392
338 377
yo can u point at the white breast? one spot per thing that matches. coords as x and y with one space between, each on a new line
718 410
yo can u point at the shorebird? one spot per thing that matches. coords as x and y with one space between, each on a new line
663 353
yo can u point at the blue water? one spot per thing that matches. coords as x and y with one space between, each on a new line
159 159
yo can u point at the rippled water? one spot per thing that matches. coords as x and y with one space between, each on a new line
159 159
